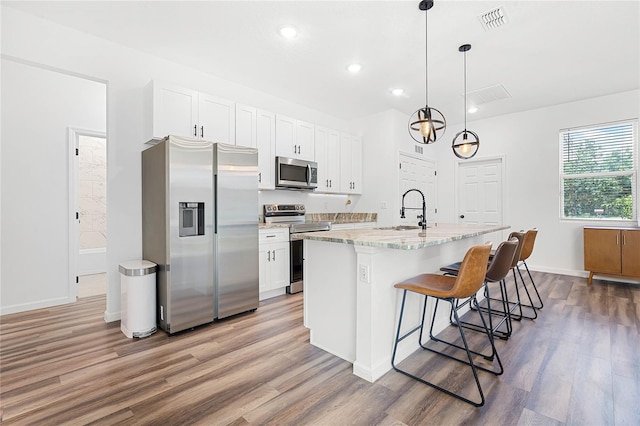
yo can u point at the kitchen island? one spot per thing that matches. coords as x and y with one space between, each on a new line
350 305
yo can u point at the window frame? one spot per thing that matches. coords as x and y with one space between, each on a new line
635 190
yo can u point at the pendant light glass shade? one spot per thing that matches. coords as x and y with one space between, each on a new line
466 146
427 124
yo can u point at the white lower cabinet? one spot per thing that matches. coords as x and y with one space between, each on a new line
273 262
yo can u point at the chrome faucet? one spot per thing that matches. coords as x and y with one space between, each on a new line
423 222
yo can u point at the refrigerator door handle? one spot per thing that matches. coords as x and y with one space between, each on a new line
215 204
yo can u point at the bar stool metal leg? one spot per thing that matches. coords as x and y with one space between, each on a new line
465 347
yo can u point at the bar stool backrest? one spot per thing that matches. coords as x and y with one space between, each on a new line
472 271
529 240
502 260
516 256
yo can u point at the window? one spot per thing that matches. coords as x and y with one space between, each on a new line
598 171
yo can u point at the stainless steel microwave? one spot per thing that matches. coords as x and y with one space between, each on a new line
295 173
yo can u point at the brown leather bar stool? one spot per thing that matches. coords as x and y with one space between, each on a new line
499 266
527 249
449 289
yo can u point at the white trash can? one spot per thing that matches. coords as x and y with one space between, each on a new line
138 298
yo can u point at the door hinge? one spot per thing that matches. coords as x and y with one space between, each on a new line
436 210
77 279
400 165
435 173
77 150
77 215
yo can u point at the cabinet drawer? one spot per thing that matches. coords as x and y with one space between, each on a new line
274 235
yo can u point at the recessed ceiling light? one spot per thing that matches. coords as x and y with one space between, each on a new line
354 68
288 31
472 109
397 92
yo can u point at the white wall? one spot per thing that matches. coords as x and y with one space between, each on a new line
38 106
126 72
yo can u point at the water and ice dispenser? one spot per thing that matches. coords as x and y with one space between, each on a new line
191 219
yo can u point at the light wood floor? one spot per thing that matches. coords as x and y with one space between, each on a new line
578 363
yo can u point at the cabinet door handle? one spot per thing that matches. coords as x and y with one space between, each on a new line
260 177
195 130
274 255
268 255
624 240
330 184
617 239
202 131
271 236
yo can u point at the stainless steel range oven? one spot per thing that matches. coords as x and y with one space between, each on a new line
294 216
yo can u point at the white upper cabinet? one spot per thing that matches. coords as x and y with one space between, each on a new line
246 132
170 110
305 137
327 155
286 145
216 119
174 110
294 138
266 142
350 164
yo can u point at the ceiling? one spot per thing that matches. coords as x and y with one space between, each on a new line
548 52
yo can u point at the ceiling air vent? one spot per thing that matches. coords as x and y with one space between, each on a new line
488 94
493 18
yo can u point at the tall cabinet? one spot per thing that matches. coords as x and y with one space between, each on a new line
612 252
327 154
350 164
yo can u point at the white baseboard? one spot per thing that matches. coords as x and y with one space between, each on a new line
40 304
111 316
581 274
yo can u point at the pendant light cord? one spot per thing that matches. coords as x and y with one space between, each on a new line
465 90
426 58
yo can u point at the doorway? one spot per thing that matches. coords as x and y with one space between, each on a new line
89 189
480 191
419 174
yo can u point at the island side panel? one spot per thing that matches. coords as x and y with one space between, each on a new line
330 297
354 316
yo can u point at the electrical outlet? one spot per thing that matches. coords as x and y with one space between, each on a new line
383 205
363 273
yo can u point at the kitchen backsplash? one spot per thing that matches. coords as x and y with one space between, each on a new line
342 217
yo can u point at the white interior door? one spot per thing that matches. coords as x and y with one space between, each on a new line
480 189
419 174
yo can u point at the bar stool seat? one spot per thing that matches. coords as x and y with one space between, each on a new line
449 289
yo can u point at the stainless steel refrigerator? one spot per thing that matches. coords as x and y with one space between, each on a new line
200 225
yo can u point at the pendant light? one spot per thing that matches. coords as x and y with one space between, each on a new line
466 147
427 124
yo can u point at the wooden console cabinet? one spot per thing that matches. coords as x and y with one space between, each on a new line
612 252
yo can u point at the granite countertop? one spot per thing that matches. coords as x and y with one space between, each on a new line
272 225
410 239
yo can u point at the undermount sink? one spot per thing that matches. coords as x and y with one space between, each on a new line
401 228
